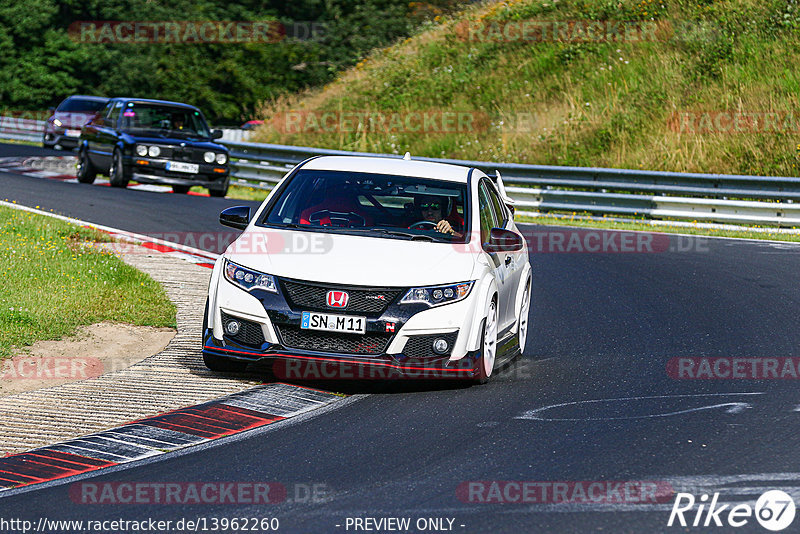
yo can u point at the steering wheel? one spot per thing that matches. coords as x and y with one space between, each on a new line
337 218
423 225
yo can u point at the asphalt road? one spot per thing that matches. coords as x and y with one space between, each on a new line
590 400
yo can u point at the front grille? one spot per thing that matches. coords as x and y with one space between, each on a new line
250 333
307 296
180 153
297 338
418 347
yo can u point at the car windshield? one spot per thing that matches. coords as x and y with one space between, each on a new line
81 104
164 120
380 205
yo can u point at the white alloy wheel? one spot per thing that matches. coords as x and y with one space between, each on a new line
522 328
490 340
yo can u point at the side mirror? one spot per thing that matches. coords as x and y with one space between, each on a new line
236 217
216 134
501 240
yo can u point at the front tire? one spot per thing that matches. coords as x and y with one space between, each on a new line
116 173
219 192
86 172
488 344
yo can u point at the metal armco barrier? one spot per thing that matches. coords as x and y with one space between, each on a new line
735 199
723 198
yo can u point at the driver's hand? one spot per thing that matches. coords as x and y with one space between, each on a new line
444 227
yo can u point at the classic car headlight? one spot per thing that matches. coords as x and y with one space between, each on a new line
249 279
209 157
222 159
141 150
437 295
57 122
153 151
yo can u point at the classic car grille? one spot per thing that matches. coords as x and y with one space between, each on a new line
418 347
184 154
297 338
250 333
307 296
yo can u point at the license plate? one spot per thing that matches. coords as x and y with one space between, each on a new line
73 133
180 166
334 323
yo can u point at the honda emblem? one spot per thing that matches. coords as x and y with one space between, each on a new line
338 299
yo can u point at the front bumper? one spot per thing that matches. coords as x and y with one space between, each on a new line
55 138
293 364
150 170
397 344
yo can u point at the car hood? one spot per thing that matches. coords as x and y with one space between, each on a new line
165 140
74 119
351 260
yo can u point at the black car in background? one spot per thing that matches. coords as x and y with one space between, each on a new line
153 141
63 128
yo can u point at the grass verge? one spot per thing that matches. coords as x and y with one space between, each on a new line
661 103
238 192
54 280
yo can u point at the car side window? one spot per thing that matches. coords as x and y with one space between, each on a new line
499 208
485 210
113 115
101 117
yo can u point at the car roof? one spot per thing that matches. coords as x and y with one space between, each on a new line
89 97
153 101
394 166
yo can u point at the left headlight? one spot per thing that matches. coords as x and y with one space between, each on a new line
222 159
438 295
249 279
208 157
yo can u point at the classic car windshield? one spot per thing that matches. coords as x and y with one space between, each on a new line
163 119
81 104
402 207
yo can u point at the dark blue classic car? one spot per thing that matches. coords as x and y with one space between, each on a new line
153 141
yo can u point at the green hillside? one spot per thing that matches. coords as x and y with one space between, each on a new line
650 99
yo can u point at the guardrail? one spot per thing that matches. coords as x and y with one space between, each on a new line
21 129
737 199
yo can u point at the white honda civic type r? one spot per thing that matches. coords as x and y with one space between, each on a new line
372 267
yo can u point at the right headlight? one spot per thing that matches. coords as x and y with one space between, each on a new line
249 279
437 295
141 150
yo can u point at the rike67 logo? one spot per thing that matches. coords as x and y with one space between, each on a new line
774 510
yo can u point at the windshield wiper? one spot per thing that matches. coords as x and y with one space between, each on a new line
408 235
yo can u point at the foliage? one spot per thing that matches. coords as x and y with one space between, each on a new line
41 61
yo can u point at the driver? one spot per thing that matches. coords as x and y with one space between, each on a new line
177 122
431 209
